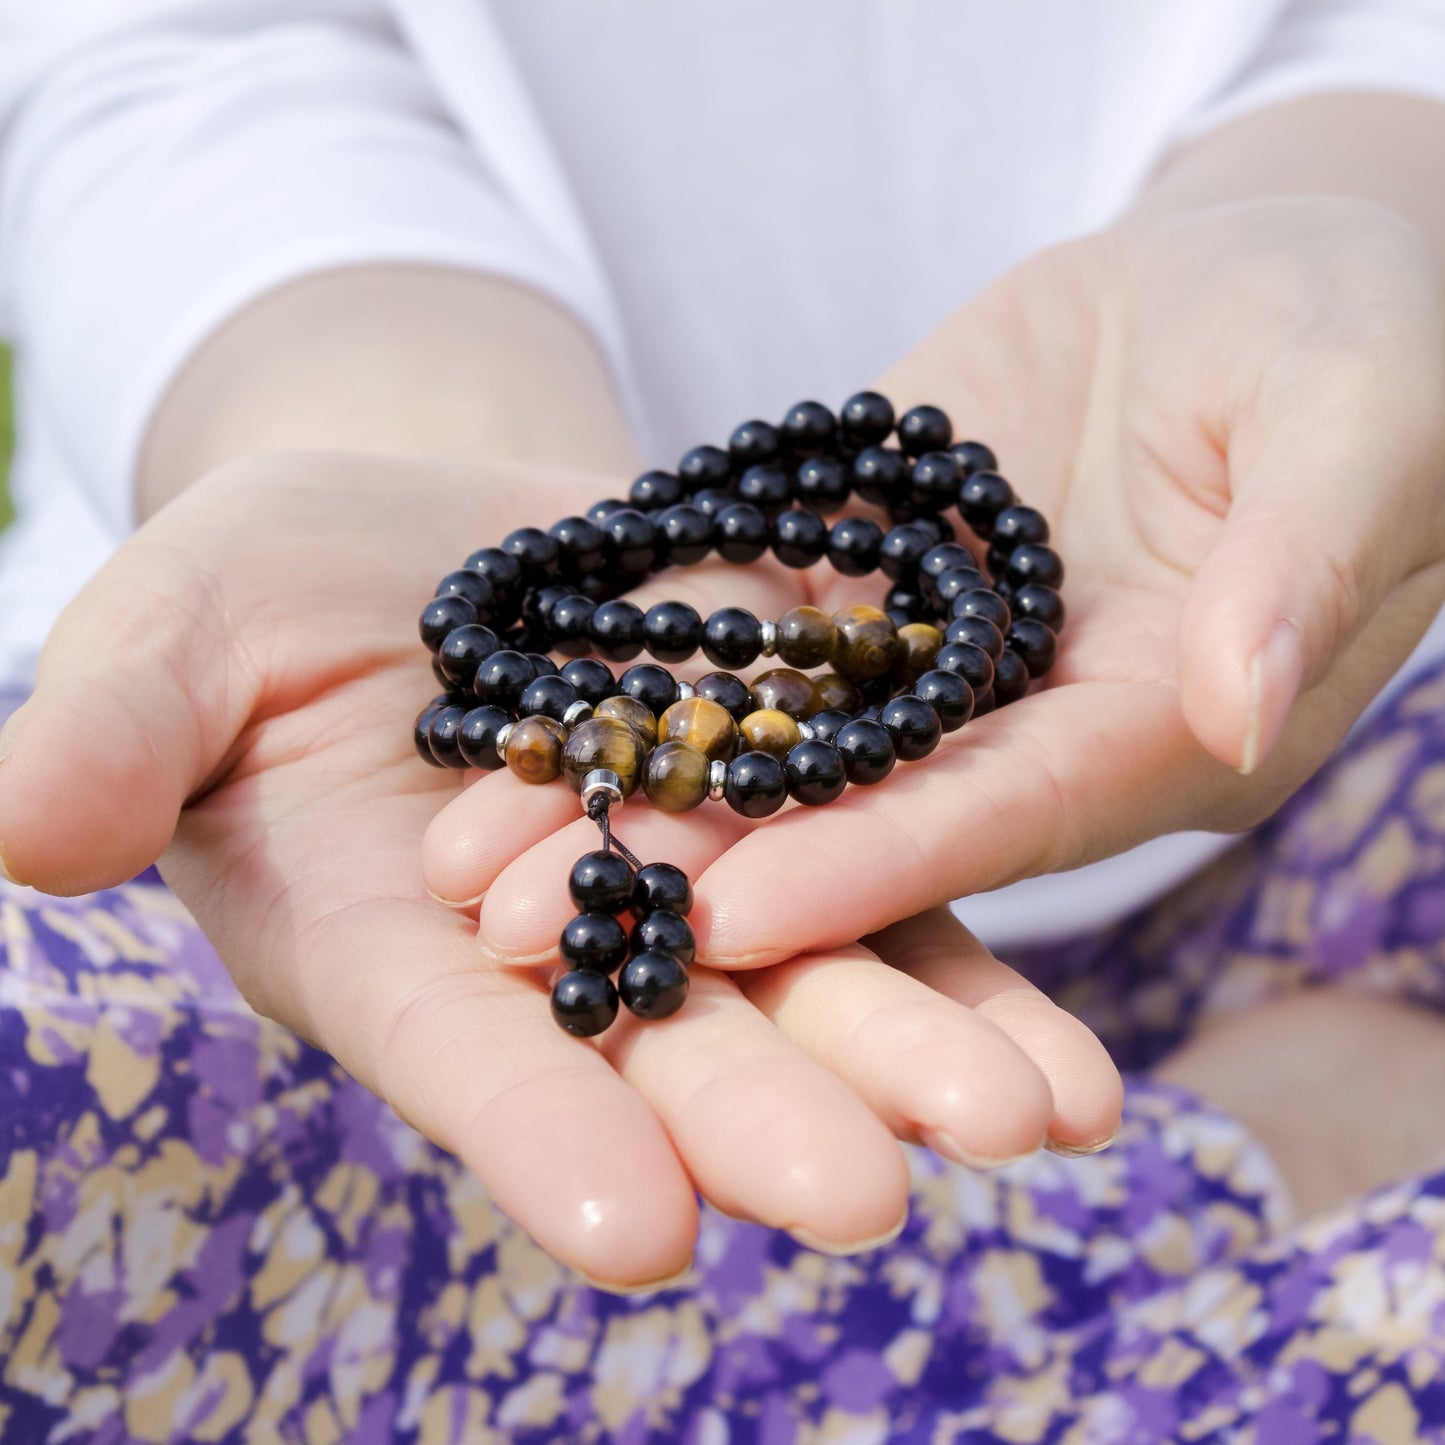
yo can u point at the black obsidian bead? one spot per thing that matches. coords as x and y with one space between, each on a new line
909 605
970 662
912 724
755 443
880 476
854 546
1012 526
866 419
704 466
547 697
501 678
617 630
500 568
728 692
594 940
664 930
538 604
471 585
946 557
1010 679
569 624
984 702
732 637
1034 643
938 527
903 548
421 732
973 457
955 582
655 489
741 533
599 512
948 695
464 649
629 542
813 772
935 482
672 631
601 882
809 429
584 1002
976 630
592 679
542 665
477 736
981 498
1034 562
580 542
822 484
765 487
442 735
829 722
684 535
755 785
662 885
982 602
442 616
653 985
538 553
1041 603
436 671
653 686
712 500
924 429
866 750
800 537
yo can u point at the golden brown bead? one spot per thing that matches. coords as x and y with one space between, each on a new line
676 777
806 636
704 725
770 731
534 749
637 715
788 691
836 692
867 643
921 644
603 742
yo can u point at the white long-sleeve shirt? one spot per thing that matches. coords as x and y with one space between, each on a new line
746 204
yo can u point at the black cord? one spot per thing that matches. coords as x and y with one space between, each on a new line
597 810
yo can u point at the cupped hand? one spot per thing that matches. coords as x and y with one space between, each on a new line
235 691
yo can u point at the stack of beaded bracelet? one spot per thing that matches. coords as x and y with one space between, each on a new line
951 641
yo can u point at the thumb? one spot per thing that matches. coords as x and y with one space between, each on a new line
136 701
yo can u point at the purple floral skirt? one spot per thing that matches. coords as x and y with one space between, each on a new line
208 1232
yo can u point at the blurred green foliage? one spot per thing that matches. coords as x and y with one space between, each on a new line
7 434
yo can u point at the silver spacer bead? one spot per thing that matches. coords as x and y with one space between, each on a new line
601 782
807 731
717 776
504 736
769 630
685 690
579 712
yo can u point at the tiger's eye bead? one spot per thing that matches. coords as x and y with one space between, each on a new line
653 984
867 644
921 644
706 726
806 636
584 1002
770 731
913 725
814 773
676 777
755 786
729 691
787 690
601 882
603 742
534 749
637 715
835 693
667 931
662 885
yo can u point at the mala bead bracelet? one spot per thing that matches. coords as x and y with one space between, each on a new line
957 636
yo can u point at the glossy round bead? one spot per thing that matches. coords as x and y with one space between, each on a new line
741 533
973 457
946 557
728 691
653 985
814 774
1034 643
534 749
866 419
867 751
601 883
667 932
662 885
463 651
822 484
710 501
765 487
924 429
599 512
970 663
1034 562
653 686
867 644
421 731
948 695
913 725
902 550
569 624
1041 603
471 585
769 730
537 553
806 636
976 630
938 527
580 544
616 629
594 940
542 665
684 535
955 582
835 693
584 1002
754 443
538 604
755 786
706 726
934 482
676 777
548 697
501 569
477 736
501 678
826 724
1010 679
629 542
1012 526
672 631
442 616
981 498
442 733
982 602
732 637
704 467
602 742
637 715
809 429
787 690
921 644
653 490
854 545
880 475
799 537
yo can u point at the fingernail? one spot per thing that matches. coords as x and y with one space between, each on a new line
671 1282
1275 675
7 875
458 902
825 1246
1078 1151
950 1148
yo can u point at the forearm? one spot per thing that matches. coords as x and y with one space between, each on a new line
393 361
